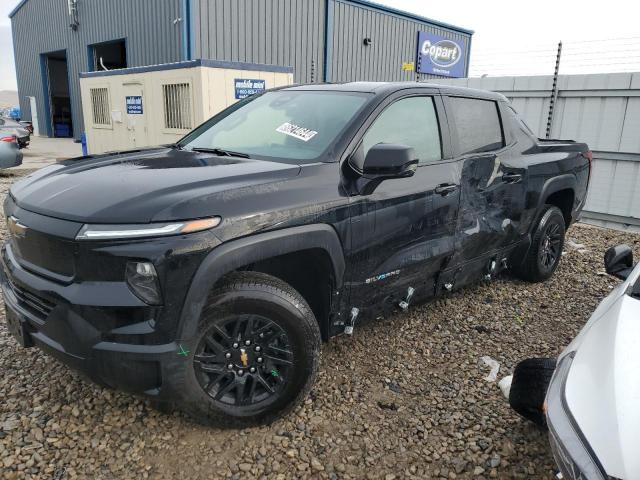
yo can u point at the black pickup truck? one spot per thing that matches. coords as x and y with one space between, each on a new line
205 274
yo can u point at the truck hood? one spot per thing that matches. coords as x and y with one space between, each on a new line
602 388
161 184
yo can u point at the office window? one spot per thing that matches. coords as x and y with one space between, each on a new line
177 106
100 106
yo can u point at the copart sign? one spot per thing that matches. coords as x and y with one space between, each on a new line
439 56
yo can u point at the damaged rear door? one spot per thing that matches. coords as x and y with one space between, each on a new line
492 188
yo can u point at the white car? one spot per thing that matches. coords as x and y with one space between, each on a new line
592 402
10 154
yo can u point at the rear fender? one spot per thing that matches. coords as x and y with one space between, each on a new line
566 181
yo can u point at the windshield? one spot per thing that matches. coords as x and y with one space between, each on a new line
282 125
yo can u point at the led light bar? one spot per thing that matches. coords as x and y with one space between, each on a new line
109 232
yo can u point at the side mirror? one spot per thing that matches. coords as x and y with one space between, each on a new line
618 261
389 160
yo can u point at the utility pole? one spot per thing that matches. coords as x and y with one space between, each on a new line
554 91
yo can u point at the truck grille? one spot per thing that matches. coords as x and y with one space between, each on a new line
35 304
44 254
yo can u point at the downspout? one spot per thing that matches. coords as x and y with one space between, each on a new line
328 40
466 72
46 97
187 34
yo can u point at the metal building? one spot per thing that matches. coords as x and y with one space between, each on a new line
323 40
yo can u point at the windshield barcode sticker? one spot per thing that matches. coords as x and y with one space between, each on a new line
300 133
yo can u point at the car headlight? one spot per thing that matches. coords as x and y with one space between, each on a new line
112 232
575 458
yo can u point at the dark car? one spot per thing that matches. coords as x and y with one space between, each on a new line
27 125
207 273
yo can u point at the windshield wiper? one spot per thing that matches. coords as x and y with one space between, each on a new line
220 152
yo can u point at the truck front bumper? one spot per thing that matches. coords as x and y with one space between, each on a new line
113 345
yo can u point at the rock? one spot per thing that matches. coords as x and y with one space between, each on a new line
316 465
37 434
402 398
459 465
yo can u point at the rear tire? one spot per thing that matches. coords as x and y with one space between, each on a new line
529 385
545 251
255 356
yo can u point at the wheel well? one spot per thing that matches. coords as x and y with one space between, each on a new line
563 199
310 272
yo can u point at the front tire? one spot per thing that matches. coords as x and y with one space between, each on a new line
545 251
256 353
529 385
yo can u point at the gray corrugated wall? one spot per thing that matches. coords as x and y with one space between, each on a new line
602 110
394 42
42 26
280 32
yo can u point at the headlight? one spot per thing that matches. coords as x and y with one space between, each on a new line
143 281
572 453
110 232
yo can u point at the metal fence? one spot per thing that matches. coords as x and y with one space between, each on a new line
600 109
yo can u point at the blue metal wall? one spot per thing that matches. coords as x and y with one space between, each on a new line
281 32
321 39
42 26
394 42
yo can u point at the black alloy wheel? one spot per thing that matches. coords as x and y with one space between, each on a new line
551 247
254 356
545 252
243 360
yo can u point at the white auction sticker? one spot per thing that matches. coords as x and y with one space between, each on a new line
300 133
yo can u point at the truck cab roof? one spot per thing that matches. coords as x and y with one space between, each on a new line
386 88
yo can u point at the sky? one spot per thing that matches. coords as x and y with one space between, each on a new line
511 38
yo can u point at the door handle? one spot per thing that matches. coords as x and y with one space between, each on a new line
512 178
446 188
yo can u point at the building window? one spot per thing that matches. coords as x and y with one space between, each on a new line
108 55
100 106
177 106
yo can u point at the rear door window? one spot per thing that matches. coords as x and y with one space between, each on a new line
410 121
478 124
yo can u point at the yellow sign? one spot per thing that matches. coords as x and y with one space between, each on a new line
408 66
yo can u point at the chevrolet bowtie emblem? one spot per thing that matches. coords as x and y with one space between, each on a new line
15 227
244 358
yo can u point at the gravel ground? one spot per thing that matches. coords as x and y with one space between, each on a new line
403 398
